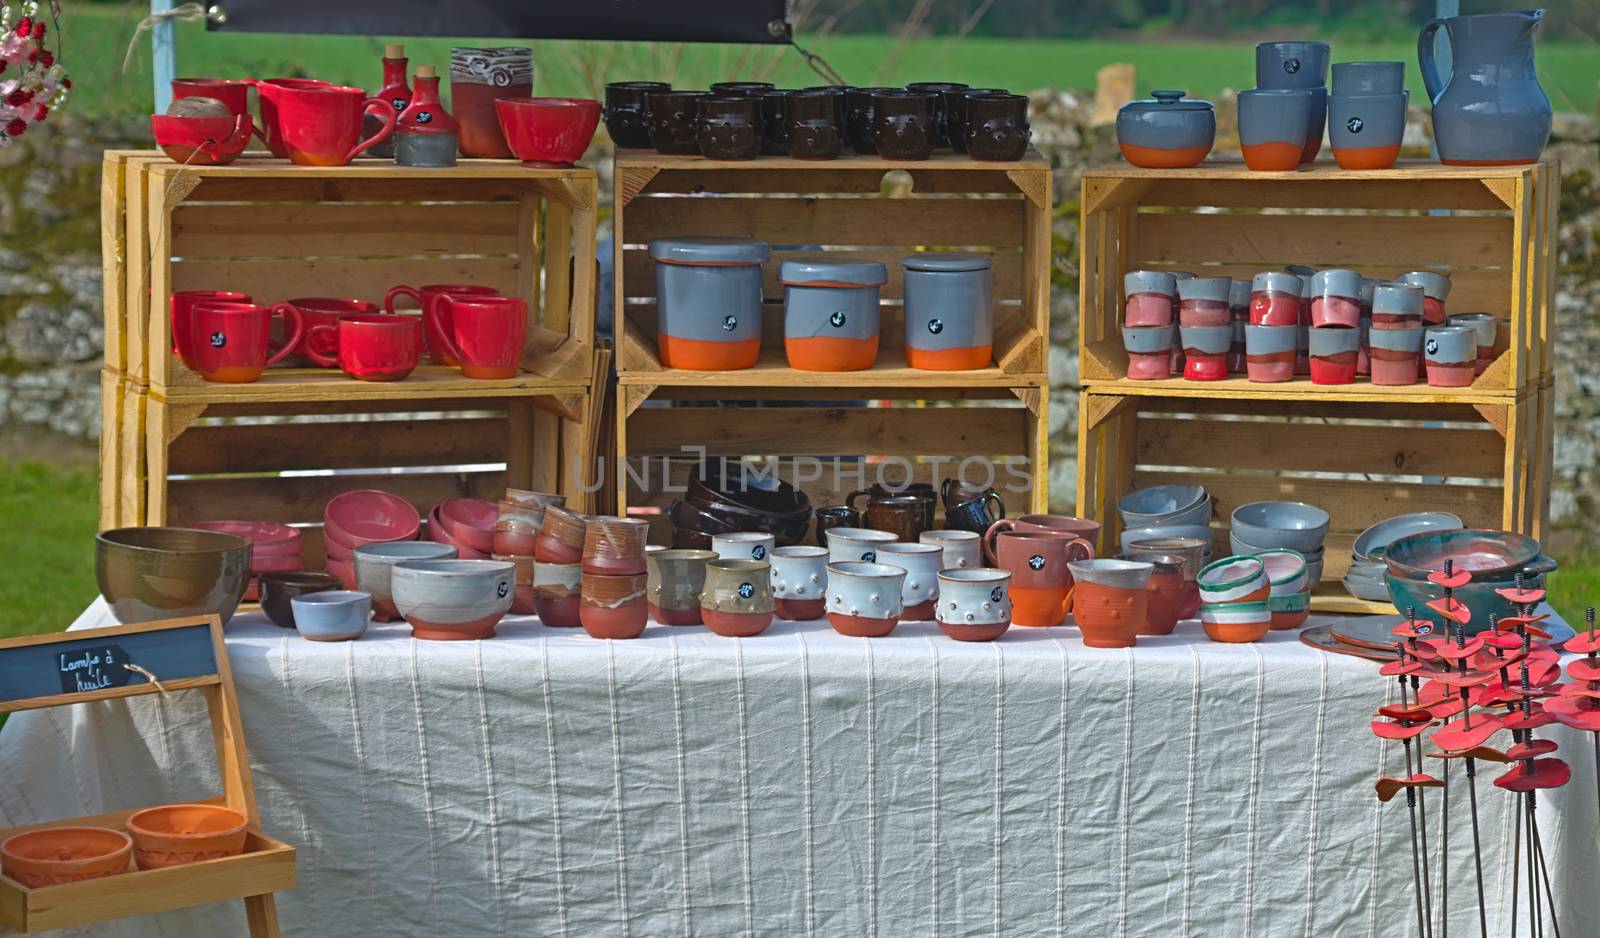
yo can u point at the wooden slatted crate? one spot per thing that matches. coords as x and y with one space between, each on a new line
852 208
1360 460
1497 242
278 231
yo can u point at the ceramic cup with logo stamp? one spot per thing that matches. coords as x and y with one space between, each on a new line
1486 327
1365 130
974 604
864 598
856 544
1041 583
737 600
800 582
743 545
1450 353
830 313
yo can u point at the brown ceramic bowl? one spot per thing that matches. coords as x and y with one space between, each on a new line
164 573
278 588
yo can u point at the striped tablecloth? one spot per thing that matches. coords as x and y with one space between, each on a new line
800 782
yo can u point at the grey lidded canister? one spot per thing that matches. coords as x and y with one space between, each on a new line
1396 340
1269 340
1207 340
1397 299
1450 345
1274 281
830 299
709 289
949 301
1336 282
1292 64
1433 284
1362 121
1333 340
1148 340
1211 289
1368 78
431 150
1275 115
1149 281
1167 121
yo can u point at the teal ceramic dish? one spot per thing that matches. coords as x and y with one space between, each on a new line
1494 558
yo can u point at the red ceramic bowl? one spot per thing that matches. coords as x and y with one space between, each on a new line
344 571
280 563
470 521
266 538
548 131
334 550
439 533
201 141
368 515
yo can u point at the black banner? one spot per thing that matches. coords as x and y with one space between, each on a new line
745 21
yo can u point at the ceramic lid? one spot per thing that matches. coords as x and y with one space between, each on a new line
705 250
1167 101
946 262
833 273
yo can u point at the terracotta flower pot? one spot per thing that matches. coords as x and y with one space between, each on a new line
556 587
175 834
52 856
737 601
613 606
675 579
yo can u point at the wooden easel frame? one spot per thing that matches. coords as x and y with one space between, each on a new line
266 866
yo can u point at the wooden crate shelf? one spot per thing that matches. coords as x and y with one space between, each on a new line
278 231
833 208
1361 461
1498 245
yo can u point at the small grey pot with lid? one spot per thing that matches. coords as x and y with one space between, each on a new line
948 301
831 299
1174 127
709 289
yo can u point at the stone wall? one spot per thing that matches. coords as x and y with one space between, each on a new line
50 293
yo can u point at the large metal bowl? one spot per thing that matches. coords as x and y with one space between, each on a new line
152 573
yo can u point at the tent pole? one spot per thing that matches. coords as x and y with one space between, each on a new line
163 53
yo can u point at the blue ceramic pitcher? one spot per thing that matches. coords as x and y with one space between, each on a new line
1490 110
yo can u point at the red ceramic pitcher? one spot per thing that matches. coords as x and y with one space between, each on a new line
371 348
326 311
271 131
485 334
183 304
321 125
1041 584
428 298
230 342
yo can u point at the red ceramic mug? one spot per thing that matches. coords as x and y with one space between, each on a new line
1047 524
371 348
230 342
183 303
326 311
234 94
1041 584
427 298
320 125
485 335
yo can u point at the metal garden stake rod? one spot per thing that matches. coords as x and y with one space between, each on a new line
1411 804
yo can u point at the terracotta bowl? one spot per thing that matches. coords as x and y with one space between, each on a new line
55 855
333 550
368 515
267 539
439 533
548 130
470 521
201 141
175 834
162 573
453 599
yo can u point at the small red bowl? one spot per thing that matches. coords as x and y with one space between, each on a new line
439 533
368 515
470 521
201 141
334 550
266 538
548 131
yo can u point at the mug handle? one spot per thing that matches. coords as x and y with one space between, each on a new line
944 490
386 112
326 361
397 292
296 331
434 323
1066 601
995 530
850 500
1088 549
999 503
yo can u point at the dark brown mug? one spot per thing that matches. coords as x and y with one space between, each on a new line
955 113
813 119
903 124
900 515
921 491
774 121
672 116
835 516
740 87
997 127
941 115
858 115
729 127
626 119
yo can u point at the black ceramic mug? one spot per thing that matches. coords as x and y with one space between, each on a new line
774 121
729 127
940 115
740 87
955 113
997 127
903 124
974 515
835 516
841 91
626 120
813 123
672 117
858 114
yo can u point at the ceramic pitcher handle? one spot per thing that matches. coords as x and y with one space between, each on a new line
995 530
397 292
1425 60
296 331
326 361
434 323
386 112
994 498
850 500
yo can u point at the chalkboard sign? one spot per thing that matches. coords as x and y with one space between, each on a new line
104 661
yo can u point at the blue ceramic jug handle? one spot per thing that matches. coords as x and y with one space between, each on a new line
1425 61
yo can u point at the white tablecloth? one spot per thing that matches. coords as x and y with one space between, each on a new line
800 782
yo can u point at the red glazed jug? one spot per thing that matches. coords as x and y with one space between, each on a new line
321 125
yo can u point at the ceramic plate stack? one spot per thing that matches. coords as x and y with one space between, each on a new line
365 516
1295 526
1165 511
467 524
716 505
1367 561
274 548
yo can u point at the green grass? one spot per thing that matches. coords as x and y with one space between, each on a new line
96 38
49 513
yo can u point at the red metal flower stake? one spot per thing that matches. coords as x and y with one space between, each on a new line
1578 706
1408 722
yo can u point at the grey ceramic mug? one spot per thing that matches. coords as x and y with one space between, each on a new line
1368 78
